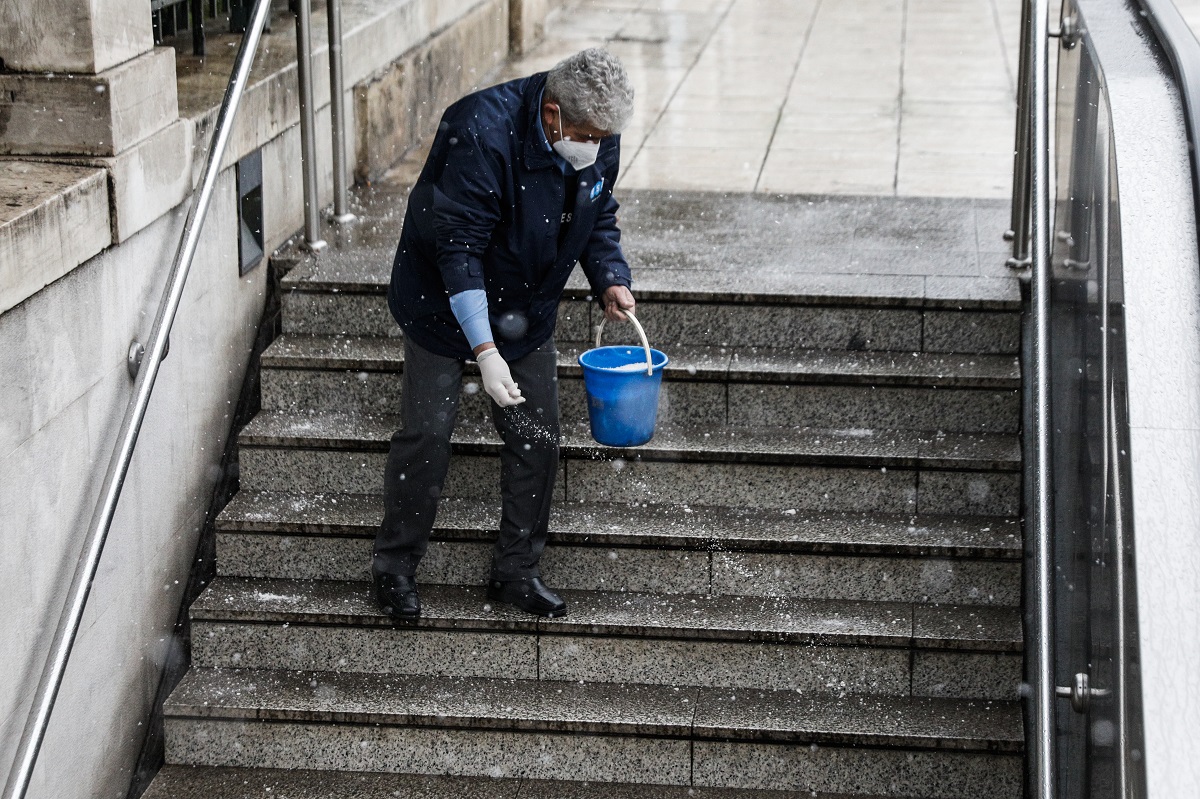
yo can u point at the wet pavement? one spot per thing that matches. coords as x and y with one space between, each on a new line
870 97
706 246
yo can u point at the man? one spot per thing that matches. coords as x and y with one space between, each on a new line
517 189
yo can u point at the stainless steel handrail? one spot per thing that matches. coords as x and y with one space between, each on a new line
1037 51
337 113
308 127
114 479
1018 233
1120 657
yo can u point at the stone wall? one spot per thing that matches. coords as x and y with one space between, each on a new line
527 22
402 104
84 248
65 388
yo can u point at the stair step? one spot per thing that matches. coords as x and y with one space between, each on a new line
609 733
332 430
819 647
374 354
871 557
703 386
628 525
210 782
719 318
559 706
742 619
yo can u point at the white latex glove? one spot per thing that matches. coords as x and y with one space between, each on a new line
497 379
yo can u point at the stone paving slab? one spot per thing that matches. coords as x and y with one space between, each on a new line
604 613
746 364
603 708
788 716
404 699
626 524
706 246
627 614
698 443
878 97
206 782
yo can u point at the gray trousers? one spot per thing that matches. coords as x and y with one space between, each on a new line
420 455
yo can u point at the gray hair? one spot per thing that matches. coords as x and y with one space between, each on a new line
592 88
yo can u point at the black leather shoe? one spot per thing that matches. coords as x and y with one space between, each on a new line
531 595
397 596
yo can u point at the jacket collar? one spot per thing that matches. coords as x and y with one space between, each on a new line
536 156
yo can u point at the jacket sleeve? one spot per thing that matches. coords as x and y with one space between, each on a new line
602 259
466 208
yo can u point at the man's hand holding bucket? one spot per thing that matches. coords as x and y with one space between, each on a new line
617 300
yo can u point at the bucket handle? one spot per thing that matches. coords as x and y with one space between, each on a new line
645 342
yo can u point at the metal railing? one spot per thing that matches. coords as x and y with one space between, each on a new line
1083 638
148 364
1031 236
1036 116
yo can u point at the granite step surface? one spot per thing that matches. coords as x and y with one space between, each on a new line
215 782
903 472
669 549
752 247
867 448
743 364
621 525
822 488
818 647
583 731
368 271
702 385
713 319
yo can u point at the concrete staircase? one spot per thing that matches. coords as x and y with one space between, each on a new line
808 583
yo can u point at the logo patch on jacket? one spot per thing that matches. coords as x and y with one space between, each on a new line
596 189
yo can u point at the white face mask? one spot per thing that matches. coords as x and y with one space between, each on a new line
579 154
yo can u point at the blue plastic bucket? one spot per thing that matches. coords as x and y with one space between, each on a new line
622 399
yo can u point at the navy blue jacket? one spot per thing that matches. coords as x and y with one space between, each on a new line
486 214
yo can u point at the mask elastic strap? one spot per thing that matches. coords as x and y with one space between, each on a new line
558 110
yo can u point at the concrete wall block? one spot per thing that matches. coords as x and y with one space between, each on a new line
527 23
383 133
400 105
283 181
40 540
55 217
155 174
116 666
16 390
79 331
48 484
102 114
378 41
73 35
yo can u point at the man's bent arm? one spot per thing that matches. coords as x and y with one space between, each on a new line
466 209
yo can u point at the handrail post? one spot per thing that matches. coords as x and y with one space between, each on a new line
1018 233
308 133
337 113
118 467
1043 590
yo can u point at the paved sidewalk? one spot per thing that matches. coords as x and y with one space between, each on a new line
876 97
907 104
